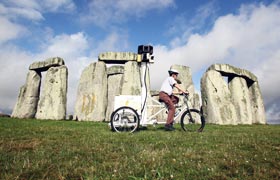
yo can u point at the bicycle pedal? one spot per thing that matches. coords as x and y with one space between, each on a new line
177 112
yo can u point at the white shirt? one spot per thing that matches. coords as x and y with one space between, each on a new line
167 85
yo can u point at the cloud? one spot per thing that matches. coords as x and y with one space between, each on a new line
249 39
186 25
102 13
32 9
65 45
10 30
43 5
267 72
112 42
274 113
14 67
59 5
19 12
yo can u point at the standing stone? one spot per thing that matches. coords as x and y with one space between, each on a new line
258 110
216 99
28 98
52 104
91 100
241 99
115 76
185 76
131 79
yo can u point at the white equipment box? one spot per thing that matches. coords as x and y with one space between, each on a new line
128 100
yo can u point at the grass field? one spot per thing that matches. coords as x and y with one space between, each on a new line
44 149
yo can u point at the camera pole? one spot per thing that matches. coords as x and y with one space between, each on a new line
144 57
144 91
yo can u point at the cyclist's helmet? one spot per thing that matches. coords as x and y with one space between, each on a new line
173 71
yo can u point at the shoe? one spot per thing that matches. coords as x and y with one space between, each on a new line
169 127
173 123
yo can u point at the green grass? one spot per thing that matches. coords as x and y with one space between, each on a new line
45 149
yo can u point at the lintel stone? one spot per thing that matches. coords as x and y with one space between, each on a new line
45 65
115 70
228 70
117 57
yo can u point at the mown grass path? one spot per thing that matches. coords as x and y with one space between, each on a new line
45 149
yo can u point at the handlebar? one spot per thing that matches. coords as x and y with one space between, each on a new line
185 94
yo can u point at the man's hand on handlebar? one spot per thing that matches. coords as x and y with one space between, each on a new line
184 93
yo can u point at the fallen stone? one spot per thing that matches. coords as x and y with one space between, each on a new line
4 115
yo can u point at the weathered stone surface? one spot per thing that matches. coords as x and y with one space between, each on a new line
115 70
131 79
258 110
237 101
115 77
117 57
91 100
216 99
45 65
28 98
228 70
52 103
241 99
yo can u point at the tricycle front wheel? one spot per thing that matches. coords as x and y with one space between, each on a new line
192 120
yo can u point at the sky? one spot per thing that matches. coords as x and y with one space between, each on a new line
197 34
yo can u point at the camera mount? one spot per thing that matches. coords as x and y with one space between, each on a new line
145 53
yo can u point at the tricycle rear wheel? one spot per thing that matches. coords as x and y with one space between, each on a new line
125 119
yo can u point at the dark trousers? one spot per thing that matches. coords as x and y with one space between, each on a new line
169 101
